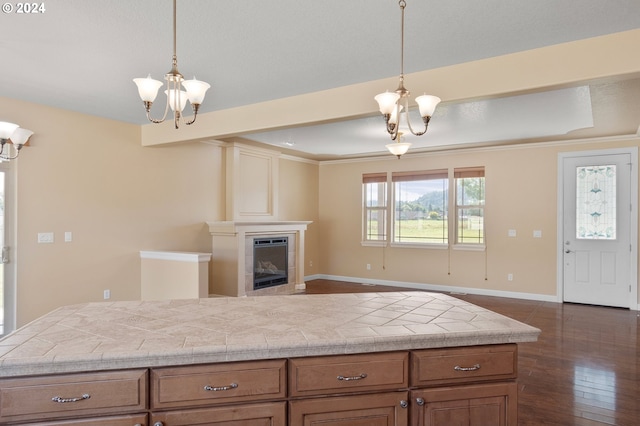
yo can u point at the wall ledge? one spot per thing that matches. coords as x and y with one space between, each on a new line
179 256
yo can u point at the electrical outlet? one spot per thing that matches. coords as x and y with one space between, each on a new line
107 294
310 263
368 266
509 277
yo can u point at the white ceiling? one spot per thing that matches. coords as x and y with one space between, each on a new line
486 121
81 55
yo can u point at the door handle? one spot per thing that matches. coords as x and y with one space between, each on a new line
5 254
568 251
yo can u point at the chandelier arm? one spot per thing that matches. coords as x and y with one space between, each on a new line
425 121
195 108
155 120
147 107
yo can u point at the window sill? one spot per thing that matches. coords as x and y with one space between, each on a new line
470 247
373 243
421 246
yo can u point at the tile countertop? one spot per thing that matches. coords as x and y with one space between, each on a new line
117 335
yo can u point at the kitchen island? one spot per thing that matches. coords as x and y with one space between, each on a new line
285 357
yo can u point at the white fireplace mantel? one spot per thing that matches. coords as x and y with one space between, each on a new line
232 255
234 227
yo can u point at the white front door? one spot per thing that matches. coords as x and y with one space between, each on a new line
597 243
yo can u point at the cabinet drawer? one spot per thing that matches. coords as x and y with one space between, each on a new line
260 414
218 383
130 420
468 364
348 373
73 395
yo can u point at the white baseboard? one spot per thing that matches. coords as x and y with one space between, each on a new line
439 288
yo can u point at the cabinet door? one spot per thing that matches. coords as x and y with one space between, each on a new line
385 409
476 405
263 414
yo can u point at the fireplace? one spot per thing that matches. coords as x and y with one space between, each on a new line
270 262
233 267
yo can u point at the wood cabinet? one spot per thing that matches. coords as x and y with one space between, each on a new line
126 420
68 396
443 390
229 390
473 386
377 409
215 384
265 414
432 367
348 373
483 404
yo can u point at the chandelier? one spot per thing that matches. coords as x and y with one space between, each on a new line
394 105
14 135
176 97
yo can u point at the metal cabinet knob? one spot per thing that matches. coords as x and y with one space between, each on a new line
420 401
404 404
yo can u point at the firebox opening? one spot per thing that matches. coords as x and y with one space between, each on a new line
270 257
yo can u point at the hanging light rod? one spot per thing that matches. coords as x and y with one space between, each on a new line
13 135
393 105
176 97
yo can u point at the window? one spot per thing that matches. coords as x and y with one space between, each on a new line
420 201
469 183
596 202
375 206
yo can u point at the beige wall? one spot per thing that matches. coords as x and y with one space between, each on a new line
521 191
298 200
92 177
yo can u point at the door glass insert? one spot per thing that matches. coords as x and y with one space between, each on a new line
596 202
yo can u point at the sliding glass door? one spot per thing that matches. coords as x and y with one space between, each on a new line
7 264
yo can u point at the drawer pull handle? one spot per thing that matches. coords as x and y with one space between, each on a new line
350 378
474 368
221 388
63 400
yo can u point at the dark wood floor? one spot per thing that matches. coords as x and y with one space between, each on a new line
583 370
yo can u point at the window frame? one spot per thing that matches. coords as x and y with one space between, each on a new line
465 173
368 178
451 205
421 175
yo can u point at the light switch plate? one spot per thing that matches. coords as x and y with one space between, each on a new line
45 237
